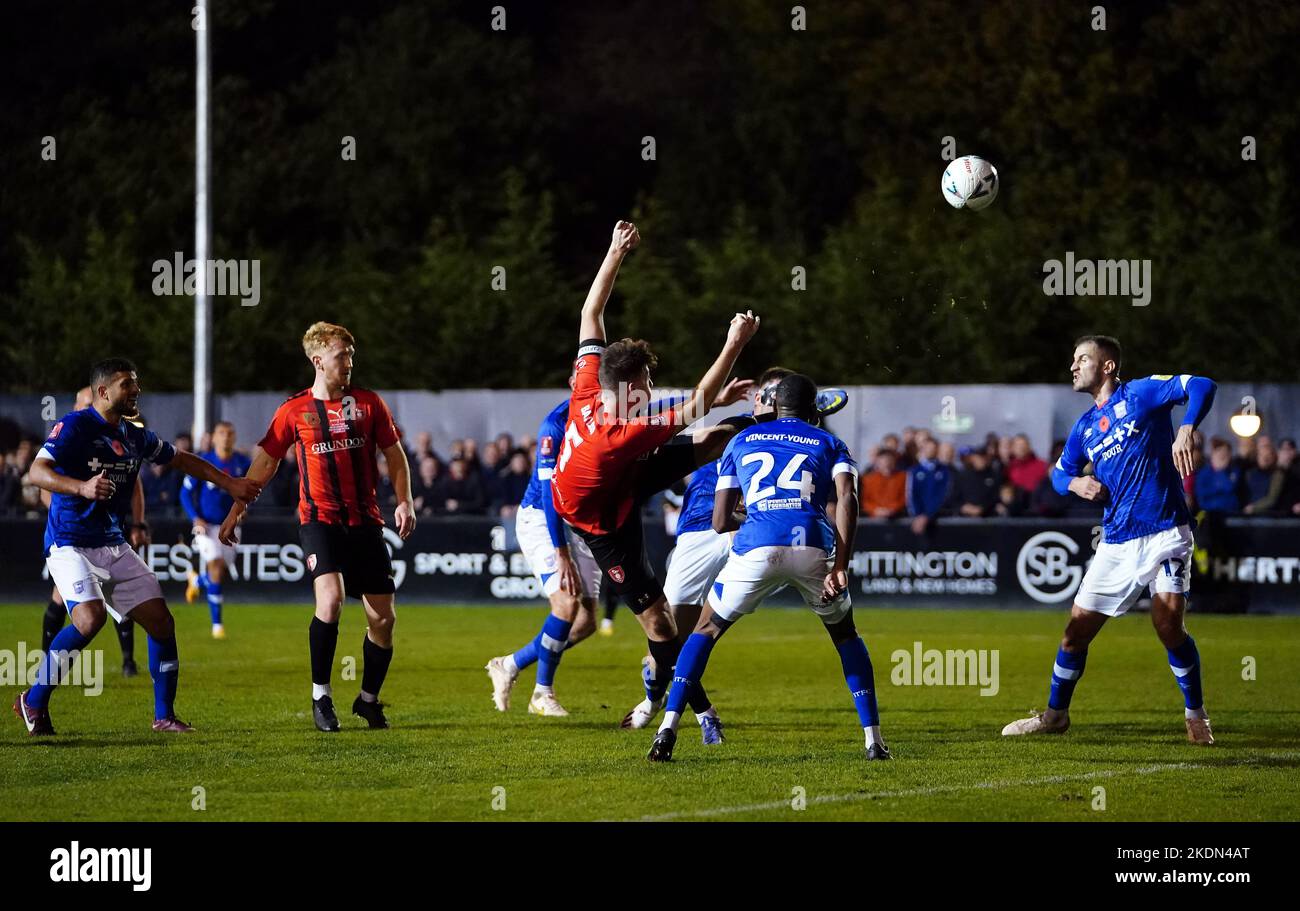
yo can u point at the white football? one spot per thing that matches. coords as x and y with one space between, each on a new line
970 182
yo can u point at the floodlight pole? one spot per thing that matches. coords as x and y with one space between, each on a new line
202 229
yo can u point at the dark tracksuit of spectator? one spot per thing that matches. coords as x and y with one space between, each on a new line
976 488
460 490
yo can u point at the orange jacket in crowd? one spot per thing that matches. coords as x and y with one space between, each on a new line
880 492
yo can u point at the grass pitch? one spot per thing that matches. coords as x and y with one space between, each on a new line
792 732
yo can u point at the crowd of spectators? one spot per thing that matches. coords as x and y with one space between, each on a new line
918 477
466 480
912 476
915 476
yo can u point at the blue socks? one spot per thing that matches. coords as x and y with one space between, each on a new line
691 662
69 639
1065 676
528 654
214 601
860 677
1185 662
164 668
550 646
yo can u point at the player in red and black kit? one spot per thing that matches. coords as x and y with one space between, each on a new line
336 428
615 455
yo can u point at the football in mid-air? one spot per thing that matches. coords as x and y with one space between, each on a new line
970 182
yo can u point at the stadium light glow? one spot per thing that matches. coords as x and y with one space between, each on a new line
1245 425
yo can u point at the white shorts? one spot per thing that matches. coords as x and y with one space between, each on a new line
693 565
535 543
115 575
750 577
208 547
1120 573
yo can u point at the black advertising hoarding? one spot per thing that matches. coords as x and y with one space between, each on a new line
1249 564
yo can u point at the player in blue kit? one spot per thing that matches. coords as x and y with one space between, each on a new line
90 462
1138 463
785 469
207 505
568 574
137 529
693 564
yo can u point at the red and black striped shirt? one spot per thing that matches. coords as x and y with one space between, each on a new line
336 443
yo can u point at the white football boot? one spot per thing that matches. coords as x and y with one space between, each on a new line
644 713
1198 731
647 708
545 704
1039 724
502 681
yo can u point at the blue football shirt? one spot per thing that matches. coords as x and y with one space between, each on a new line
1130 442
81 446
785 470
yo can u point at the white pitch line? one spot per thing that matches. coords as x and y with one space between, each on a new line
950 789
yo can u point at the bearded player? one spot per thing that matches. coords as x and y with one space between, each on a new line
616 454
90 463
136 530
337 428
1138 463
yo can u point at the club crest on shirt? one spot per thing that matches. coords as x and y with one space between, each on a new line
1121 409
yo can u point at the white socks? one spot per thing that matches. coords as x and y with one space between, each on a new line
873 735
670 721
319 690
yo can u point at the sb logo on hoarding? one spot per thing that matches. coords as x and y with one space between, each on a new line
1044 567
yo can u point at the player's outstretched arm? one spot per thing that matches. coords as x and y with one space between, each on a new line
243 489
742 329
399 473
260 472
846 528
624 241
